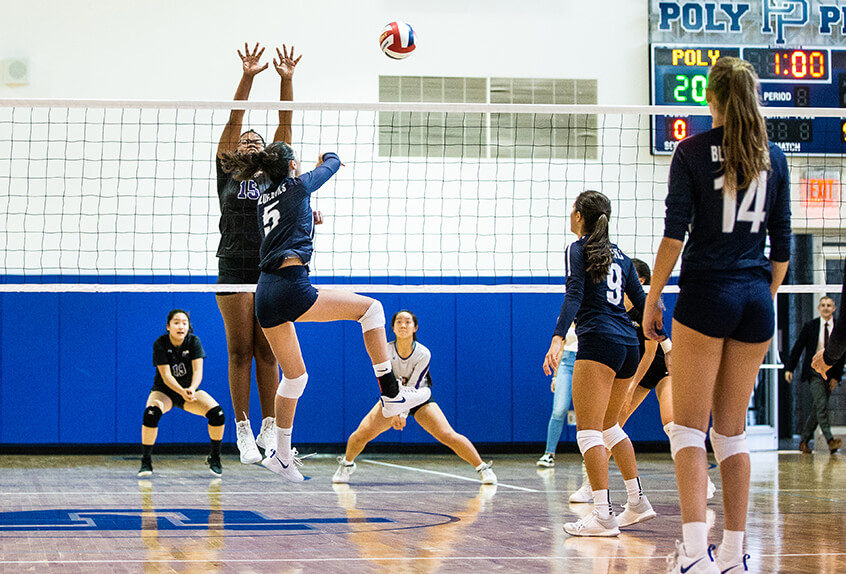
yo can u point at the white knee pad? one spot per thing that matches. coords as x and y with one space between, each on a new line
588 439
613 436
292 388
684 437
726 446
373 318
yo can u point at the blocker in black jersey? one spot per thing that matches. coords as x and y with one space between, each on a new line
179 360
238 251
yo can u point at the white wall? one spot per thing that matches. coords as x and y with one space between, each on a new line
80 208
185 49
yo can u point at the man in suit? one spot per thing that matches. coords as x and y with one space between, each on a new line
812 339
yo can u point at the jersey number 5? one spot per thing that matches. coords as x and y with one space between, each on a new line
270 217
757 192
615 284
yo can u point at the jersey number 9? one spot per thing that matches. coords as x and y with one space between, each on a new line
615 284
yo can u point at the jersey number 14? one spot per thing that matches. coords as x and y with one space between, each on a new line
757 192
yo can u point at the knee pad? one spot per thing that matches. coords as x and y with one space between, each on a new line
587 439
152 416
726 446
216 416
292 388
373 318
684 437
613 436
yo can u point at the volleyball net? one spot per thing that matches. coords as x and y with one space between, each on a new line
122 196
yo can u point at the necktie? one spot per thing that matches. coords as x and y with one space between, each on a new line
825 335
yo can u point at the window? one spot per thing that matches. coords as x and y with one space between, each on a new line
537 136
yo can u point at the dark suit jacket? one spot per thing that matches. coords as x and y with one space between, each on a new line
807 343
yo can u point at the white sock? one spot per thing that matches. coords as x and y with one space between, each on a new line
348 462
695 536
731 550
602 503
633 489
480 467
283 442
266 421
382 369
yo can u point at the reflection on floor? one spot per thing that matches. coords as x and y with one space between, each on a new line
90 513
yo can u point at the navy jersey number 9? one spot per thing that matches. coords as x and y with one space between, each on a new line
615 284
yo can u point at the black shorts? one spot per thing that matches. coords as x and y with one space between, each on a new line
175 397
237 271
735 306
413 411
283 295
656 373
621 358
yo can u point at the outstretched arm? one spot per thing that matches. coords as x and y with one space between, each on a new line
285 66
232 130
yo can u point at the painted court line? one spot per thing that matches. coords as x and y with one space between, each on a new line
384 558
477 481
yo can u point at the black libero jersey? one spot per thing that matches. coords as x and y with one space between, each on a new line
726 233
284 211
239 230
178 358
597 307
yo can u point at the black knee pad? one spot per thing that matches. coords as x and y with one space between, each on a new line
152 416
216 416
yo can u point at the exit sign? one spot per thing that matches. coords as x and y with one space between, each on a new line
819 192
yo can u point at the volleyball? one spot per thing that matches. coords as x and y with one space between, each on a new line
397 40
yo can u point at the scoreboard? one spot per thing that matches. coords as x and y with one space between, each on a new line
806 77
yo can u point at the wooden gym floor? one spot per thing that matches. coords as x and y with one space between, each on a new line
399 514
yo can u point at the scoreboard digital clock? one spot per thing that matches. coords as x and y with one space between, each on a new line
806 77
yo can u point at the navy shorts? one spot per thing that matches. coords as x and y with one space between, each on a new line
283 295
735 306
621 358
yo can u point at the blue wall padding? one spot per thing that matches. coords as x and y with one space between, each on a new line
77 368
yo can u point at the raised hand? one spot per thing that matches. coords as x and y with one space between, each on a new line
286 64
250 60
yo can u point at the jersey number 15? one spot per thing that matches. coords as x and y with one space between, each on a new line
757 192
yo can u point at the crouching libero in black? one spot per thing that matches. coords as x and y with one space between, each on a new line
178 358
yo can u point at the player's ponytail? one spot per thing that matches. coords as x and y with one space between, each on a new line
733 88
595 209
274 161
